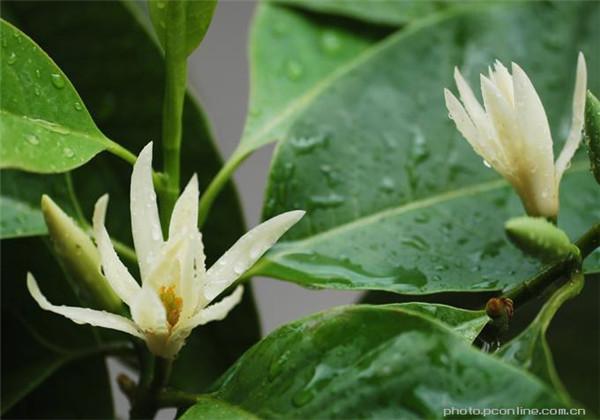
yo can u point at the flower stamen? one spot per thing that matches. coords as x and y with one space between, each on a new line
172 303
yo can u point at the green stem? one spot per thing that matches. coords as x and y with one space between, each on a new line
118 150
176 398
589 241
174 96
216 185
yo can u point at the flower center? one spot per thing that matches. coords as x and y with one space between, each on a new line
172 303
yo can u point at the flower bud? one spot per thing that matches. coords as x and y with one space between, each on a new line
592 132
539 238
79 257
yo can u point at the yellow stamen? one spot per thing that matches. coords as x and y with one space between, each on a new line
172 303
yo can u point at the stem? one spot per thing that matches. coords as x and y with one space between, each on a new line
175 85
589 241
216 185
118 150
176 398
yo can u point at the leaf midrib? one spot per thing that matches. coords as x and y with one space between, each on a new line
252 141
291 246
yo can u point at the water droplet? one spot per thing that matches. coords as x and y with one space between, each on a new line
32 139
330 42
38 73
387 184
294 70
12 58
415 242
77 106
240 267
326 201
36 91
306 144
57 80
68 152
485 162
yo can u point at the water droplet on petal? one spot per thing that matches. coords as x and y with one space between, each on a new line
485 162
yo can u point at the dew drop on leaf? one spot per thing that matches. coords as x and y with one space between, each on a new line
12 58
77 106
294 70
57 80
68 152
32 139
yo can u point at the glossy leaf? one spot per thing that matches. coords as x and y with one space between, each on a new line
40 350
44 126
530 349
592 132
293 58
396 199
465 323
364 361
211 408
127 105
385 12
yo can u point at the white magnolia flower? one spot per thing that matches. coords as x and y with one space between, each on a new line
512 133
176 288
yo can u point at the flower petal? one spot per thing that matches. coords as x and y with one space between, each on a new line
145 223
503 81
246 251
148 312
474 109
184 219
215 312
83 315
463 122
574 138
119 278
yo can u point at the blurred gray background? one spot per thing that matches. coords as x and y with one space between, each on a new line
218 73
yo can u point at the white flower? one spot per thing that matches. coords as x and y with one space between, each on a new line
512 133
176 288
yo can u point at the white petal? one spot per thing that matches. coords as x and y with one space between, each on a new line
246 251
574 138
145 223
166 270
184 219
115 271
503 81
215 312
148 312
83 315
191 277
463 122
475 110
502 117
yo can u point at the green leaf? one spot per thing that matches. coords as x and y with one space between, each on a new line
44 353
365 361
465 323
211 408
127 105
293 58
530 350
194 17
384 12
44 126
396 199
592 132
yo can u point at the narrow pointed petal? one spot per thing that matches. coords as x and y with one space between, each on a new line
119 278
83 315
463 122
165 272
246 251
503 81
184 220
474 109
217 311
189 284
145 223
148 312
574 138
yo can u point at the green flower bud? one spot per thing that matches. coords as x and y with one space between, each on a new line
592 132
539 238
79 257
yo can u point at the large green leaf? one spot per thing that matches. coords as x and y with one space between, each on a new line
294 57
44 126
365 361
42 353
530 350
386 12
396 199
195 18
126 104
